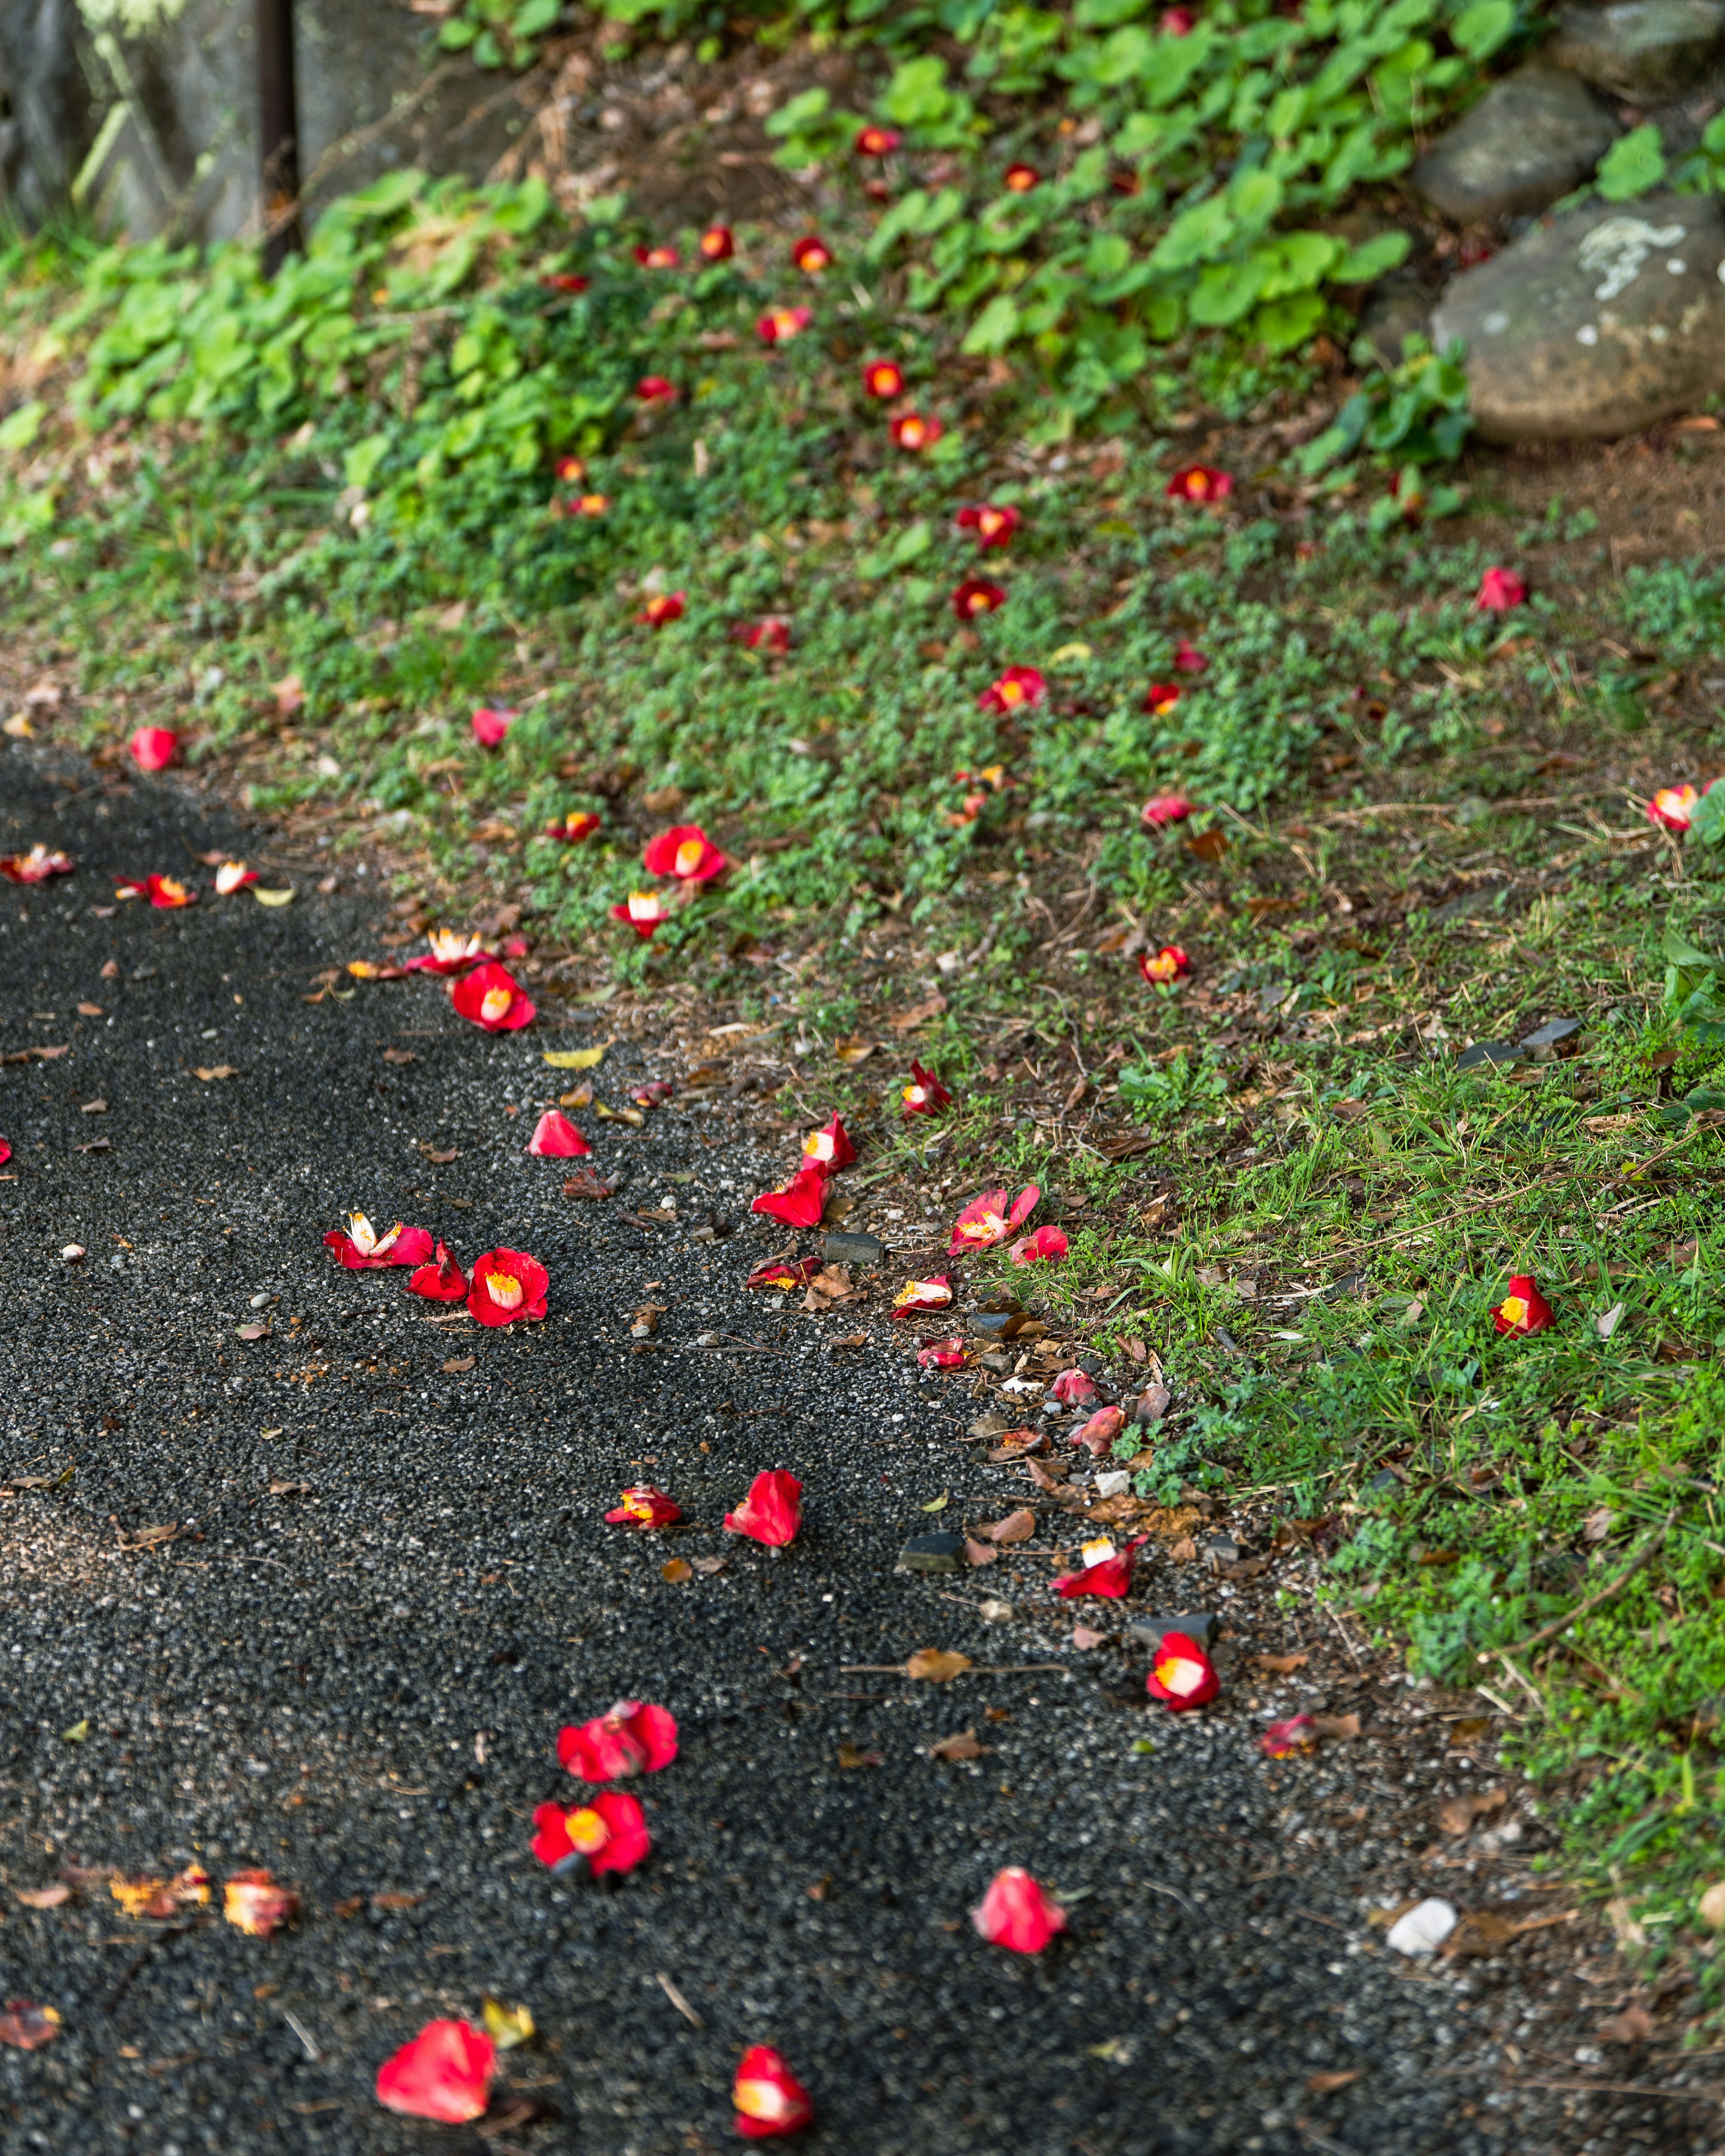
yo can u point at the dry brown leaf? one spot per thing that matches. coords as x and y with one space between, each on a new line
1327 2084
1340 1728
1016 1527
289 695
980 1552
1457 1815
856 1050
1279 1665
1633 2025
458 1366
937 1665
708 1565
45 1897
1184 1551
400 1055
675 1570
963 1746
644 1322
209 1072
853 1755
1469 1731
396 1901
918 1014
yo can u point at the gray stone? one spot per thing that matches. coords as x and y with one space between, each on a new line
1603 321
847 1249
1550 1035
1534 136
1395 310
933 1553
1202 1627
1641 50
1487 1051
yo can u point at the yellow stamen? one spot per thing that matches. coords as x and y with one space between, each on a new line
504 1290
496 1003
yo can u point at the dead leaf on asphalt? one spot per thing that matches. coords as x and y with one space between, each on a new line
397 1901
209 1072
1633 2025
980 1552
90 1010
26 2026
1469 1731
279 1488
441 1159
1339 1728
1016 1527
963 1746
675 1570
853 1755
708 1565
1278 1666
1327 2084
585 1183
458 1366
1457 1815
45 1897
1184 1551
937 1665
400 1055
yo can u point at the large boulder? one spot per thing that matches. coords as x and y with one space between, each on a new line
1642 50
1601 322
1534 136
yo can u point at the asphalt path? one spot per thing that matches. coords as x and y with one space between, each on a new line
320 1603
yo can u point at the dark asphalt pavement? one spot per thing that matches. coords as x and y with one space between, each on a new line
387 1586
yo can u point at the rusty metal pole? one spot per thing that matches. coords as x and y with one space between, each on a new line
278 133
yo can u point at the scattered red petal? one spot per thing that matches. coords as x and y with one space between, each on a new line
1046 1243
798 1203
685 852
555 1138
25 2026
924 1095
1016 1913
934 1293
644 910
993 525
1500 590
1673 807
162 891
767 2096
490 725
829 1148
772 633
631 1737
506 1285
1189 660
916 431
1017 688
658 258
574 825
255 1904
663 608
647 1505
780 324
772 1511
232 876
655 389
1199 482
491 997
442 1281
986 1221
1072 1389
36 866
154 748
361 1248
1177 21
565 281
943 1355
1109 1577
5 1152
785 1274
1298 1733
812 255
877 143
444 2073
1021 178
1181 1674
1165 809
718 243
977 595
1524 1309
1100 1432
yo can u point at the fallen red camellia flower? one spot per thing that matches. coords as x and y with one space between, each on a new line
361 1248
565 281
943 1355
798 1203
685 852
913 431
492 997
1199 482
876 141
772 633
1165 809
1109 1577
442 1281
977 595
570 469
450 952
767 2096
232 876
153 749
25 2026
647 1505
1499 591
1100 1432
555 1138
934 1293
1169 963
812 254
5 1152
574 825
491 723
1016 1913
1073 1387
1017 688
253 1903
1177 21
1524 1309
631 1737
1160 698
608 1834
884 378
718 243
655 389
1019 179
162 891
506 1284
772 1511
663 608
780 325
1673 807
1181 1674
993 526
786 1275
582 504
988 1220
653 1092
1282 1739
924 1095
657 258
829 1148
1044 1245
36 866
1189 660
644 910
445 2073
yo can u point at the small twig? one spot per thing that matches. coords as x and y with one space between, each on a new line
301 2031
1346 1641
1623 2088
1173 1894
1592 1602
677 2000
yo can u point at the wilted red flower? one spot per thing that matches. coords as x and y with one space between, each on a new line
915 1295
25 2026
798 1203
910 430
506 1284
653 1092
770 633
255 1904
812 254
1181 1674
1164 808
1177 21
924 1095
644 910
1499 589
1107 1572
655 389
491 724
608 1834
445 2073
884 378
943 1355
566 280
786 1274
685 852
1673 807
772 1511
1298 1733
717 243
780 325
631 1737
1016 1913
993 526
876 141
1524 1309
663 608
153 749
647 1505
1199 482
442 1281
1017 688
36 866
986 1219
1100 1432
1161 698
1047 1242
570 469
1169 963
572 826
162 891
555 1138
361 1248
767 2096
1073 1387
232 876
492 997
657 258
450 952
582 504
1021 178
1189 660
829 1148
977 595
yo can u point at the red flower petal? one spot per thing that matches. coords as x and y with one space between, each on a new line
829 1148
1500 591
767 2096
917 431
876 141
253 1903
1112 1578
884 378
1047 1243
924 1095
772 1511
1016 1913
167 891
1021 178
490 725
772 633
662 609
1169 963
986 1220
440 1282
977 595
1073 1387
5 1152
1199 482
1100 1432
444 2073
1181 1675
943 1355
1298 1733
780 325
36 866
657 258
643 911
574 825
919 1294
1189 660
787 1275
362 1248
655 389
154 748
798 1203
647 1505
630 1738
491 997
717 243
557 1138
1673 807
506 1286
812 255
1524 1309
1165 809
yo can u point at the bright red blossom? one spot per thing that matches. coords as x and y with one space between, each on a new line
445 2073
798 1203
1048 1243
442 1281
829 1148
555 1138
570 470
924 1095
1016 1913
767 2096
772 1511
1199 482
491 724
1109 1577
1164 808
1160 699
631 1737
685 852
912 431
884 378
232 876
1672 807
1176 23
1021 178
1017 688
506 1284
582 504
153 749
646 1505
657 258
361 1248
1169 964
877 143
993 525
574 825
785 1274
812 254
643 911
780 325
36 866
663 608
915 1295
565 281
717 243
988 1220
608 1834
1181 1674
942 1354
5 1152
1500 590
162 891
1524 1309
977 595
655 389
492 997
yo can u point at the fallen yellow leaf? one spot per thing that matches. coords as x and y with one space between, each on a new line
574 1059
271 897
